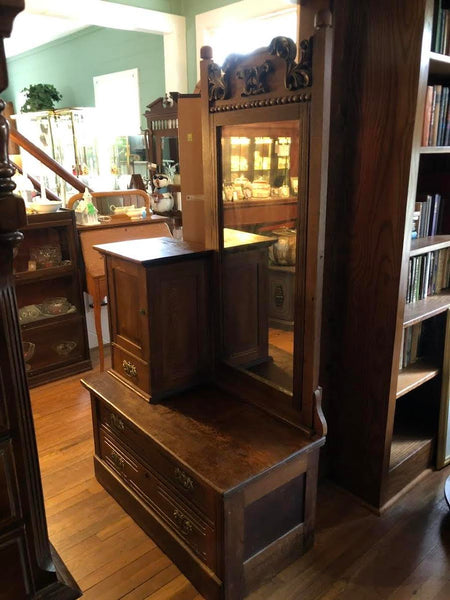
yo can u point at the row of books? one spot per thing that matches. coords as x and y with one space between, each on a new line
410 349
436 120
428 274
441 31
428 215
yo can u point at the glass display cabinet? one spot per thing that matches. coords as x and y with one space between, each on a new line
161 135
69 137
49 298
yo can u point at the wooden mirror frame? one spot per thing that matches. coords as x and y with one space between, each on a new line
270 85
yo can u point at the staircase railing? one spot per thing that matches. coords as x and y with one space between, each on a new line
48 161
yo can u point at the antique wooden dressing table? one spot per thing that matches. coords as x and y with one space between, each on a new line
208 426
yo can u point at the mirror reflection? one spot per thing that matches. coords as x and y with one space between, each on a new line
260 189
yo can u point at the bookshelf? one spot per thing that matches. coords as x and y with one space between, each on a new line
386 424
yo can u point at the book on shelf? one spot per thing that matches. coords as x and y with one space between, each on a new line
410 350
428 216
436 119
441 35
428 274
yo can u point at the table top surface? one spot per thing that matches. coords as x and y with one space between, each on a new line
222 439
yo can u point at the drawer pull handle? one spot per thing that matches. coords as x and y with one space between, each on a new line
117 461
129 369
183 478
182 522
116 422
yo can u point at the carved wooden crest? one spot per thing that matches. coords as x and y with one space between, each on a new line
297 76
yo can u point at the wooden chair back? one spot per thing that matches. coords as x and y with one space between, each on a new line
104 200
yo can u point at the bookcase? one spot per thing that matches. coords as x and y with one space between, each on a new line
387 425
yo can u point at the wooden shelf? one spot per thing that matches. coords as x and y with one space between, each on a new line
405 447
51 320
428 244
425 309
435 150
439 64
413 376
43 274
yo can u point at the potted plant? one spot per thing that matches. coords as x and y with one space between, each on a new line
40 96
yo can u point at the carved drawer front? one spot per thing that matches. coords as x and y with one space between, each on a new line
131 368
9 504
176 475
190 527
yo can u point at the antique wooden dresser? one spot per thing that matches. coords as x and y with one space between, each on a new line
208 426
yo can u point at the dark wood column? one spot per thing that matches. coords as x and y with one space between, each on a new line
26 563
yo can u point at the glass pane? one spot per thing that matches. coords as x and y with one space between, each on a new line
260 184
169 154
43 249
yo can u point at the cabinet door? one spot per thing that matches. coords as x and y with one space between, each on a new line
128 306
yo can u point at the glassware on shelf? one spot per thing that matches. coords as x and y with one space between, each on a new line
28 353
64 348
46 256
55 306
29 313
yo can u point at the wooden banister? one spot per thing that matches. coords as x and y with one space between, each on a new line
36 184
46 160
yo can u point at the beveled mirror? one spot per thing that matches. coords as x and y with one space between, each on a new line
263 215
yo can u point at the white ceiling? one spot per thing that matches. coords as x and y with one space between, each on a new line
30 31
47 20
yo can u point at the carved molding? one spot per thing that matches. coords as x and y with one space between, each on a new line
216 83
255 79
298 75
258 103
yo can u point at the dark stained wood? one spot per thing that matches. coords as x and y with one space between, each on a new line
256 472
245 315
112 557
34 287
220 428
161 336
151 250
227 101
182 489
26 564
379 53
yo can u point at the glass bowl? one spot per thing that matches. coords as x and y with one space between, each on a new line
55 306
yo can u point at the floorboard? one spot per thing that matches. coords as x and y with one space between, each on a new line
402 555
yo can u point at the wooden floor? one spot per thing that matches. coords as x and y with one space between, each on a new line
403 555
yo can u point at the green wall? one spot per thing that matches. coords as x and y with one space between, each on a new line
169 6
71 62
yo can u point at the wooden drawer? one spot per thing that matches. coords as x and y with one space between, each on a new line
190 527
175 475
131 368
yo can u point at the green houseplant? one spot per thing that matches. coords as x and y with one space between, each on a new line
40 96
